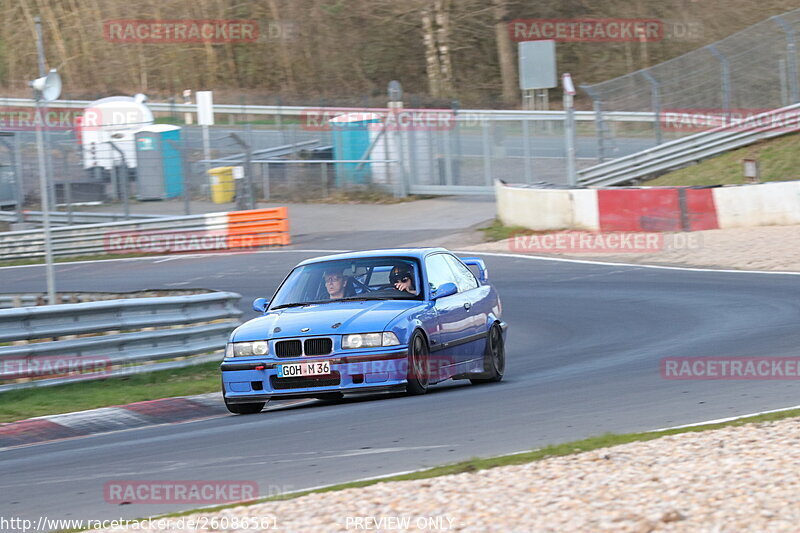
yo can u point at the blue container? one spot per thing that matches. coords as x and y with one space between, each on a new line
351 138
159 162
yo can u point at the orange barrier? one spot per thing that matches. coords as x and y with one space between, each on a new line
258 227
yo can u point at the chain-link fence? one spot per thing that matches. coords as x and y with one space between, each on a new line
751 71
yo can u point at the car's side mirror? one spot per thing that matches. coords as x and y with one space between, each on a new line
445 289
260 305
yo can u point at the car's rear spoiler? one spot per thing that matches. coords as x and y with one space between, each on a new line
483 275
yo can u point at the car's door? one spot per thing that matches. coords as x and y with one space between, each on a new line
475 300
452 317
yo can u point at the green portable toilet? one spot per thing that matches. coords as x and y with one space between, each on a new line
352 134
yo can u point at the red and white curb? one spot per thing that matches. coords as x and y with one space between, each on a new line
117 418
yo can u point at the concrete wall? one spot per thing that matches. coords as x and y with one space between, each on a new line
764 204
649 209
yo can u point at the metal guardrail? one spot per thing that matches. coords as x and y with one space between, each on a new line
212 231
681 152
462 114
64 218
194 325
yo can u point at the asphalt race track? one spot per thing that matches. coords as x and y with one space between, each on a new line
585 341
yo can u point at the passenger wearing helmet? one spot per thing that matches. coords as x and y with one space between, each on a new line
402 278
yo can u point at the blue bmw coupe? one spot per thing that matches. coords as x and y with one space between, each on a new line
368 321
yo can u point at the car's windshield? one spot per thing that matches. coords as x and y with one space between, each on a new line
369 278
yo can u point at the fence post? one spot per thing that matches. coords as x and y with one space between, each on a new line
599 128
726 76
526 150
791 58
655 99
487 152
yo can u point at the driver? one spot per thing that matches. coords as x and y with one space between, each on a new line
335 284
402 278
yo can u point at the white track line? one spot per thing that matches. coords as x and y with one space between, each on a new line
636 265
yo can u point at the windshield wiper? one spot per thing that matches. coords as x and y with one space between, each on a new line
294 304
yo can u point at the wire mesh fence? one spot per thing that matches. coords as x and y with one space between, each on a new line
752 71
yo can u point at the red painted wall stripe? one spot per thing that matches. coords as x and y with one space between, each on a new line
657 209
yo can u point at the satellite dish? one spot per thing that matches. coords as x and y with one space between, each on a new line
48 87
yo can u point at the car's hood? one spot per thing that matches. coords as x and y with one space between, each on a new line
335 318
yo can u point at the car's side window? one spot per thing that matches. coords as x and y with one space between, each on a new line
439 272
464 277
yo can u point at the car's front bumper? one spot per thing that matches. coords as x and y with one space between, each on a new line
254 379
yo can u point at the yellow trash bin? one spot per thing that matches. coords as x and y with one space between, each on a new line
223 189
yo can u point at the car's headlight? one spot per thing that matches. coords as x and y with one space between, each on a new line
244 349
369 340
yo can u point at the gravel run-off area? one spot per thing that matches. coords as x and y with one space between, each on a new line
732 479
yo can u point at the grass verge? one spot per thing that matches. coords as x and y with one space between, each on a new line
27 403
778 160
474 465
496 231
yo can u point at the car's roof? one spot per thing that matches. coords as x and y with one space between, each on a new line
417 253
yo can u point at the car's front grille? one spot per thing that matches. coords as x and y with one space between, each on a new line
321 346
293 348
328 380
297 347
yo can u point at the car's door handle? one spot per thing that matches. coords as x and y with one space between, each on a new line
467 306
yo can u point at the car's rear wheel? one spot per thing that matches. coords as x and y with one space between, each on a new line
494 359
244 408
417 378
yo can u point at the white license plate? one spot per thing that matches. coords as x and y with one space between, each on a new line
315 368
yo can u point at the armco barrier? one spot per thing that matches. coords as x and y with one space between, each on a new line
194 233
173 332
649 209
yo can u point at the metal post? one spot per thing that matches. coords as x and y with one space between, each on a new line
791 58
526 150
245 195
124 185
43 106
599 128
655 99
48 245
324 173
265 180
569 140
487 152
726 76
448 159
784 81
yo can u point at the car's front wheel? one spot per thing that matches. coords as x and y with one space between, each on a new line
494 359
417 378
244 408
